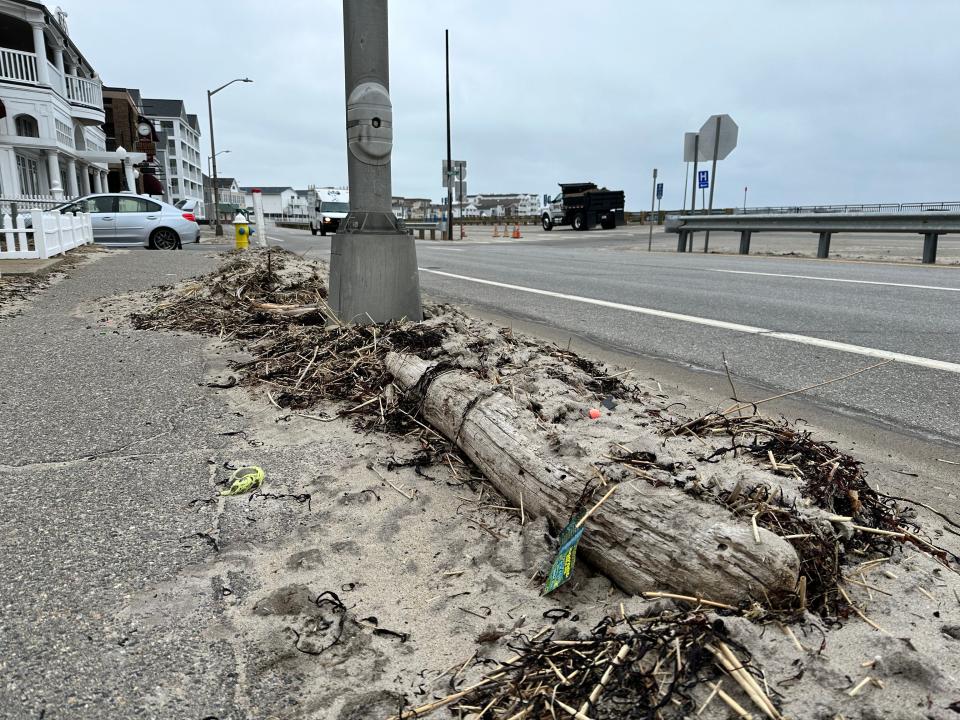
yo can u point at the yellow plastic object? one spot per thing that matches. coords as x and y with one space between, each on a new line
245 479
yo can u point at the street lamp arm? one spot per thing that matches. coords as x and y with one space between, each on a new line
214 92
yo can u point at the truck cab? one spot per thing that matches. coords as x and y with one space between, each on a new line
327 207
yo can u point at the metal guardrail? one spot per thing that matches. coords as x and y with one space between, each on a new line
849 208
929 224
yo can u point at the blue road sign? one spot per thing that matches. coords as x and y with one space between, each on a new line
703 178
659 191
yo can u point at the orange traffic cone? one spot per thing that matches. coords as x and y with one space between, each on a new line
496 230
463 232
516 232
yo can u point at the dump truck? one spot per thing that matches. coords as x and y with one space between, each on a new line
582 206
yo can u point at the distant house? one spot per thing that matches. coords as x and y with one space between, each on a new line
232 198
277 200
503 205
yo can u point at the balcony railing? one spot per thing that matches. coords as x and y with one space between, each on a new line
84 92
18 66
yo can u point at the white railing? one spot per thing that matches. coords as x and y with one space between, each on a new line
18 65
85 92
56 78
43 234
26 203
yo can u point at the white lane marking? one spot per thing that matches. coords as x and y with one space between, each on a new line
724 325
840 280
274 239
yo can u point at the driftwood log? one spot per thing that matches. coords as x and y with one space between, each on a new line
643 538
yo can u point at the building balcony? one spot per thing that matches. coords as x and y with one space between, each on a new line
84 95
86 99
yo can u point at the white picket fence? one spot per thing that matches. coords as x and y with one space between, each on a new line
45 235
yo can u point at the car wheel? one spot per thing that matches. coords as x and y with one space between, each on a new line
546 222
164 239
578 221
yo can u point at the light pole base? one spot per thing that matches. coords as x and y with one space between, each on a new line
374 276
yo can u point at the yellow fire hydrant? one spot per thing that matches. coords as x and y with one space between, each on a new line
242 231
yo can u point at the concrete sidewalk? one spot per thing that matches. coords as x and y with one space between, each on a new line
29 266
102 447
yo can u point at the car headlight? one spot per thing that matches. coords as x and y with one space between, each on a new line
326 219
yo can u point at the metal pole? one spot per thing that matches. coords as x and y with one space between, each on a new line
218 231
713 179
686 179
744 200
460 193
373 262
446 36
693 190
653 195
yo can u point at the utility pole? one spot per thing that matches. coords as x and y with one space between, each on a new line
373 263
744 199
713 179
213 152
653 194
446 36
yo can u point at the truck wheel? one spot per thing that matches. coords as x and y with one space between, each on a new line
608 224
578 222
547 222
313 231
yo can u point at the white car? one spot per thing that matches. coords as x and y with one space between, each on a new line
124 219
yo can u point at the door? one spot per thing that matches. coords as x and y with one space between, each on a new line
103 216
137 217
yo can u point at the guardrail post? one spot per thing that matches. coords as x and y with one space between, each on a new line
420 233
433 234
823 249
930 248
682 241
745 242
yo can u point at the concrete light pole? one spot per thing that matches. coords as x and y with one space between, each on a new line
373 263
213 152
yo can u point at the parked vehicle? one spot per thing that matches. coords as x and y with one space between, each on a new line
191 205
583 205
123 219
327 206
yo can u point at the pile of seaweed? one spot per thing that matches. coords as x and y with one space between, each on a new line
631 667
858 525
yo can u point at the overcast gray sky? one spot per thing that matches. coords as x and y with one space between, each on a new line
837 100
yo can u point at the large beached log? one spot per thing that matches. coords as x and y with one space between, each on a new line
643 538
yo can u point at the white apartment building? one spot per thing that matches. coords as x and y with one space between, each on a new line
51 108
178 149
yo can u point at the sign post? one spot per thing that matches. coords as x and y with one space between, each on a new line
653 191
720 132
373 261
659 198
691 141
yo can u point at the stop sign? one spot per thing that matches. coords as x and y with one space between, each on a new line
708 135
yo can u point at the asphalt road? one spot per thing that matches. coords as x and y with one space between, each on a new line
781 323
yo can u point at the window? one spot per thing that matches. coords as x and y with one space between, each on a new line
26 126
136 205
102 204
28 171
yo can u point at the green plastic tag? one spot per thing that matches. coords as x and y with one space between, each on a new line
567 556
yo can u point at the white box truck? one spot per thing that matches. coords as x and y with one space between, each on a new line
327 206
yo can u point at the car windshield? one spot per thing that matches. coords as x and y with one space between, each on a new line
335 207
